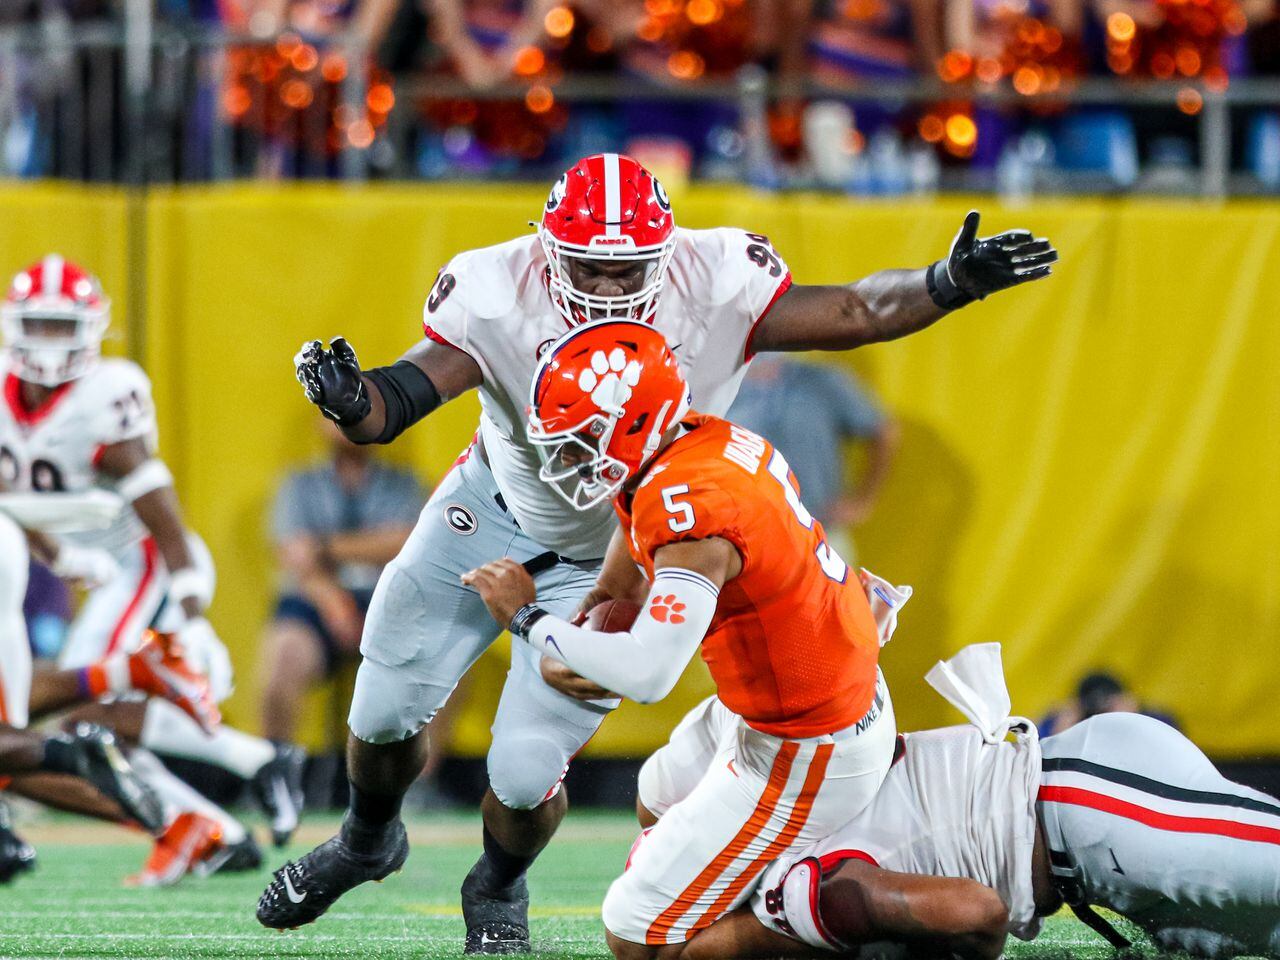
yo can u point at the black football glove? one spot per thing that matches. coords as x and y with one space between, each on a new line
979 266
331 380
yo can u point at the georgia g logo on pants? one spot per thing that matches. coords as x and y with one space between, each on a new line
460 520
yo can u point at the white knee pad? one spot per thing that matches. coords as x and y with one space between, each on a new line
525 768
388 705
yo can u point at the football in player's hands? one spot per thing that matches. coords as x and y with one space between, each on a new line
612 616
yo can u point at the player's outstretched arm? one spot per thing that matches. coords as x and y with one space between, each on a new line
895 303
377 405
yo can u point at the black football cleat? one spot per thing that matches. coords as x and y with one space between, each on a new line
302 890
16 855
497 918
97 758
278 788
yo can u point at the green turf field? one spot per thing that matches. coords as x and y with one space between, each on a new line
74 904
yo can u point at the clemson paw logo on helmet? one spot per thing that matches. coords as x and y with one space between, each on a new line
610 378
667 609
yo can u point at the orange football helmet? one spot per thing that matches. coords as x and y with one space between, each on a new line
602 397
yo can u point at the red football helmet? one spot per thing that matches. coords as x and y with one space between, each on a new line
603 395
54 318
610 208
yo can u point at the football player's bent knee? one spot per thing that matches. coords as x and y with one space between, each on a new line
524 770
619 913
387 707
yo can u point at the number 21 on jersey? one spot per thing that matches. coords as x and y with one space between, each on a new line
682 516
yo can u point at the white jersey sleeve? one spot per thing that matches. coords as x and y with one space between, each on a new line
465 304
121 407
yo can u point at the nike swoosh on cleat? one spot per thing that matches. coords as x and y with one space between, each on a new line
293 894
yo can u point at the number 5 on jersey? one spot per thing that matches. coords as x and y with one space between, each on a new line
682 517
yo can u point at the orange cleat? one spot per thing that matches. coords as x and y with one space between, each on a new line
158 667
191 840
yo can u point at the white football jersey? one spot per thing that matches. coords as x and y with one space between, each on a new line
493 304
952 806
55 448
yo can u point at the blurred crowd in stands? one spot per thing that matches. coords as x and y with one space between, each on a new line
446 88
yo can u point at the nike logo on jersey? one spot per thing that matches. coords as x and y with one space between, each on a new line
294 895
1118 869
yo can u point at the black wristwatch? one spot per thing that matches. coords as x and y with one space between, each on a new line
524 619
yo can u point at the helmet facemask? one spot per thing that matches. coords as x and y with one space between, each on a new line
577 306
52 346
575 463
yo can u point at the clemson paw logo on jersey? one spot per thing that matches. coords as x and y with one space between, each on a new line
667 609
610 378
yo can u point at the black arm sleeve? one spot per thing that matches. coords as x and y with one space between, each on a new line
407 393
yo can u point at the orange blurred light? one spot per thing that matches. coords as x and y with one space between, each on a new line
961 131
989 70
381 98
304 58
703 12
236 101
1026 80
686 65
1234 22
650 30
1120 26
1188 61
558 22
287 44
1190 101
1216 79
333 68
360 134
529 60
539 99
1120 62
932 129
599 40
296 94
1052 40
954 65
1162 65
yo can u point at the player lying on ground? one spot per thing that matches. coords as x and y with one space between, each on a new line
86 774
607 247
973 837
735 565
72 421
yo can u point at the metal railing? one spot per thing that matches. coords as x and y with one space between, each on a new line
142 102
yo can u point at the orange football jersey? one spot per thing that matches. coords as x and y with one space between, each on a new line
793 646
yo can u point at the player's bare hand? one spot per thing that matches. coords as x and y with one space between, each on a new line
504 585
595 596
977 266
559 677
331 380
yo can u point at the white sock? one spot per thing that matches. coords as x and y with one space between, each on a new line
166 729
179 797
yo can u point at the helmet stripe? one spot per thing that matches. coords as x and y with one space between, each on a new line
51 275
612 196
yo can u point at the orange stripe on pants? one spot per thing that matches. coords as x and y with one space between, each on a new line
768 802
813 780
